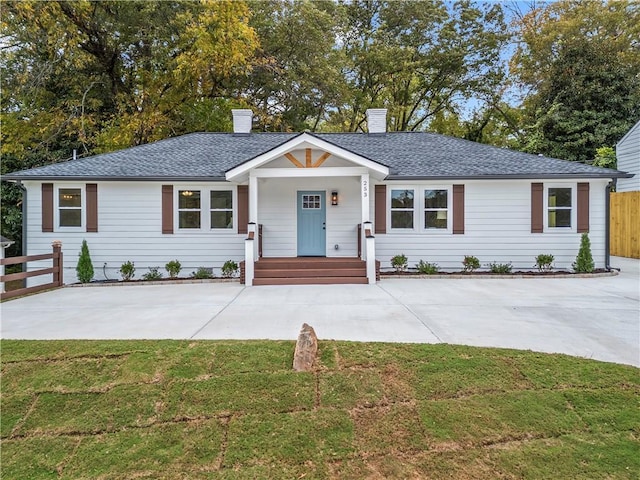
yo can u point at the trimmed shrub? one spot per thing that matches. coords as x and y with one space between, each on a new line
470 263
173 268
152 274
127 271
500 267
202 273
229 269
400 262
427 268
584 260
544 262
84 268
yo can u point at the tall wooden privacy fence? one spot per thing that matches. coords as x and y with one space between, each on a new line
625 224
56 270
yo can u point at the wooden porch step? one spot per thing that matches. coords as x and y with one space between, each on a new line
310 272
308 263
310 281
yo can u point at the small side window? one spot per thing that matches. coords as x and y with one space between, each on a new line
70 207
559 206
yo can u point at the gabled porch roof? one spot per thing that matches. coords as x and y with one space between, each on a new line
305 140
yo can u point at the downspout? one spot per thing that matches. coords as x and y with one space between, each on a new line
607 225
24 222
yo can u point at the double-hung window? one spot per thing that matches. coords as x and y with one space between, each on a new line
69 207
559 207
436 207
402 208
221 209
189 209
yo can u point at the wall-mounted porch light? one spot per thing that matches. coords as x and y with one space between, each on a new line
334 197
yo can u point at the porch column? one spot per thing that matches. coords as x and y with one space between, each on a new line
364 210
253 209
365 192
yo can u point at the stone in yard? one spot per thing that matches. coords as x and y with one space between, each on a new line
306 349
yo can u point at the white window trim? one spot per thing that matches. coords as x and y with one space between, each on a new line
205 209
574 208
56 208
416 193
419 226
449 209
234 209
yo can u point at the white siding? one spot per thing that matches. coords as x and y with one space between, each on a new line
497 229
277 213
628 155
129 229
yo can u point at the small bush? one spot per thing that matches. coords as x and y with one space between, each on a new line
584 260
500 267
152 274
173 268
544 262
229 269
202 273
84 268
127 271
427 268
470 263
400 262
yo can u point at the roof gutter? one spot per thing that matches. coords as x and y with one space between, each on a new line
9 178
562 176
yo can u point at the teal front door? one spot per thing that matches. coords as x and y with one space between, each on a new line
312 239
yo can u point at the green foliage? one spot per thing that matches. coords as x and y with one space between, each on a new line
127 270
584 260
606 157
173 268
470 263
544 262
400 262
229 269
427 268
577 60
152 274
84 268
202 273
503 268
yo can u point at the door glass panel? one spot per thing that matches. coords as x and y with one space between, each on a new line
311 202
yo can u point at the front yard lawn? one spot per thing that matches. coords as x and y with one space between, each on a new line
235 410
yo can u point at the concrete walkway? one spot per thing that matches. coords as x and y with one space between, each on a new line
588 317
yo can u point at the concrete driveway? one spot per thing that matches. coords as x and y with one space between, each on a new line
588 317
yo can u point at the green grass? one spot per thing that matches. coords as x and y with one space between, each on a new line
236 410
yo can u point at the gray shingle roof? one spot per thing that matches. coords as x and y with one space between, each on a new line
207 156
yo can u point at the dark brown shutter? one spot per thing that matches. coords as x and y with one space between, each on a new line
583 207
380 201
537 207
47 207
167 208
92 207
458 209
243 208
